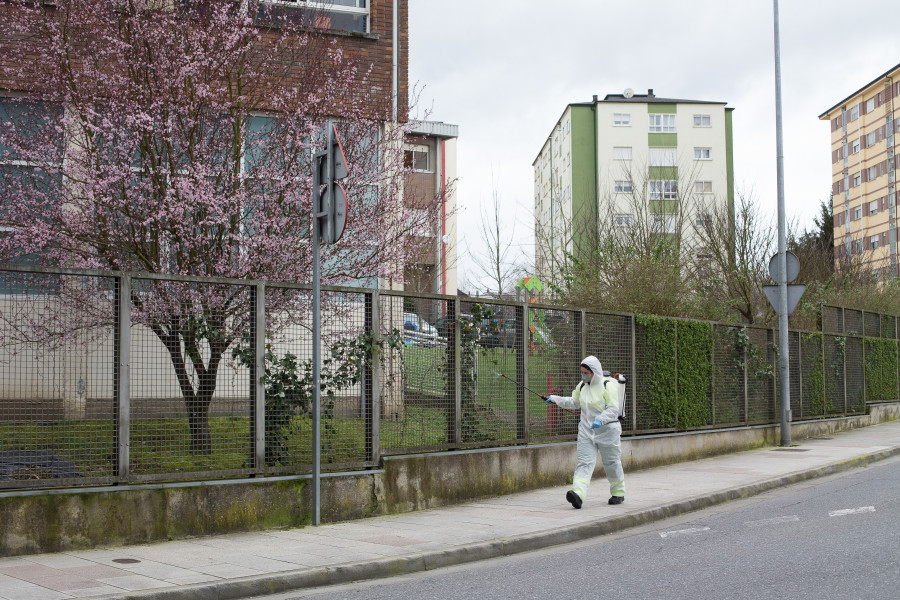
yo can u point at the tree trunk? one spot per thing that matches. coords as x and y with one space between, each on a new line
198 421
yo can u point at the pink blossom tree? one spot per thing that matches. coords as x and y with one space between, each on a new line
167 136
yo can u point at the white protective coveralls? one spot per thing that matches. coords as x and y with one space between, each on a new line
596 400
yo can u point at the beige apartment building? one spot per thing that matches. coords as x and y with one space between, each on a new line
864 174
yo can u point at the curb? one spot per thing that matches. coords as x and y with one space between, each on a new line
425 561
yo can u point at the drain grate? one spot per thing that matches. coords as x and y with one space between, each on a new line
126 561
790 450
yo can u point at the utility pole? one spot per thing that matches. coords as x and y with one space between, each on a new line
783 358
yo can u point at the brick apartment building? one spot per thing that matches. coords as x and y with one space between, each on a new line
374 34
864 173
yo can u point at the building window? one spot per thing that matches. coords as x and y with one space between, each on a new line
871 139
854 112
623 220
854 147
662 223
662 157
857 213
870 105
622 119
873 207
874 240
623 186
663 189
702 153
417 158
857 247
856 180
340 15
660 123
872 173
701 121
703 220
622 153
703 187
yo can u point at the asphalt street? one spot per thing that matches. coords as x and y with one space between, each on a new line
831 538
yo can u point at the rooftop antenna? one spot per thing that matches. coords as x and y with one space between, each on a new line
629 93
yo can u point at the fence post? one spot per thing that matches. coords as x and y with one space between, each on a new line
370 390
800 369
677 415
522 371
746 379
122 375
863 344
712 373
257 373
582 337
634 372
844 357
454 419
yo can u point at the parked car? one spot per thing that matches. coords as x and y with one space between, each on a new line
417 330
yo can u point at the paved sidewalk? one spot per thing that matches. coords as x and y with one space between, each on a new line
242 565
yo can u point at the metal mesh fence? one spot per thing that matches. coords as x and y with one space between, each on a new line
609 338
760 375
795 383
832 319
190 400
889 327
656 374
853 324
729 345
489 402
554 355
855 373
400 372
872 323
835 348
57 355
417 404
811 376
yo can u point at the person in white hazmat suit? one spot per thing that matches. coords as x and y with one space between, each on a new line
597 397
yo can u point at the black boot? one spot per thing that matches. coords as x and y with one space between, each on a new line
617 500
573 498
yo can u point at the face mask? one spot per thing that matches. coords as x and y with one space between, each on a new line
586 378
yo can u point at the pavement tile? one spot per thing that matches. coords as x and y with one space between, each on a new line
59 561
134 583
228 571
66 583
30 591
195 578
95 571
102 590
154 570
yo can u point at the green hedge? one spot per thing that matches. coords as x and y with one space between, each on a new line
881 369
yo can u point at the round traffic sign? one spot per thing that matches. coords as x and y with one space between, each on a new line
793 267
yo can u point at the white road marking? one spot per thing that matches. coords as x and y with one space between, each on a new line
692 531
851 511
773 521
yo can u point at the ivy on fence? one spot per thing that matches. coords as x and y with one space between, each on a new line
881 369
695 347
661 369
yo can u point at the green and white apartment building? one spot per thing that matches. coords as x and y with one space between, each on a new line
627 161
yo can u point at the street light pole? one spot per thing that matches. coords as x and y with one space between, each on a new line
783 358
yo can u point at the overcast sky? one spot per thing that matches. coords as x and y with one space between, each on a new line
504 70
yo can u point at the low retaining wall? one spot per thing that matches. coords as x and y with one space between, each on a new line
58 520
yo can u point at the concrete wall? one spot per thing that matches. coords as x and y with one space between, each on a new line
65 520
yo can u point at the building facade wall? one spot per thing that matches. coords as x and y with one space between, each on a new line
864 165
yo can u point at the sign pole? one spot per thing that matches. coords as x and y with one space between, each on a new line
316 346
783 358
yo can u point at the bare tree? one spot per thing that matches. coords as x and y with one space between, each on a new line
499 264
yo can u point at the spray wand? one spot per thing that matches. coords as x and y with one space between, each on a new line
541 396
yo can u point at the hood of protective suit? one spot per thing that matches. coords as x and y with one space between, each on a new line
592 363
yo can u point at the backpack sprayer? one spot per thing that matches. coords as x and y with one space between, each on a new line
618 377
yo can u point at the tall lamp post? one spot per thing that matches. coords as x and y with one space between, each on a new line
783 359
